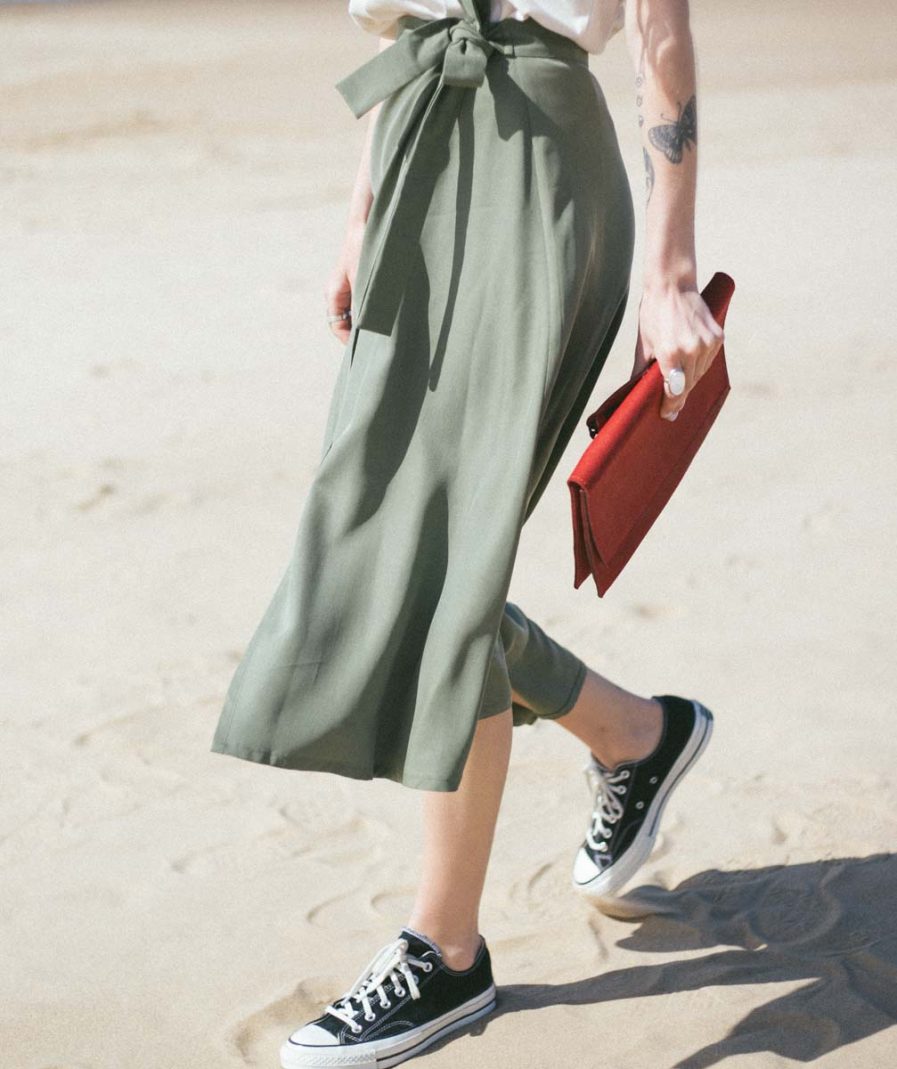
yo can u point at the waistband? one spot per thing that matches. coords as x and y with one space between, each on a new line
461 46
515 37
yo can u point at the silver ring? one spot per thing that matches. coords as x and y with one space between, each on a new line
675 381
339 316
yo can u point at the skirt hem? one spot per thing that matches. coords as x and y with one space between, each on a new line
267 757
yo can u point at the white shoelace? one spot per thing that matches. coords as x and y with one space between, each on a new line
389 963
607 789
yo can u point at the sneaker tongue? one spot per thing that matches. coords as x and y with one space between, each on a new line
418 943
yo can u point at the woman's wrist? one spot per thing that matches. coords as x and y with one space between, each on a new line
669 256
362 194
671 271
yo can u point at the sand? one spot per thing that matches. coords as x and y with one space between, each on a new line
175 180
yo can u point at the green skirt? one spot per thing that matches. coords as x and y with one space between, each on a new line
492 281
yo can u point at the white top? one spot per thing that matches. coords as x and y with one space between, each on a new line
589 22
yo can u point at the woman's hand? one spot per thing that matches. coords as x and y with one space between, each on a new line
341 282
678 329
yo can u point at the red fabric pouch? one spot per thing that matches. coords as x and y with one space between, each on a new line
636 459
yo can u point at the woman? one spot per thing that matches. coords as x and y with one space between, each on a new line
482 281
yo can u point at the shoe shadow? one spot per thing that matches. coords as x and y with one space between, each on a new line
831 923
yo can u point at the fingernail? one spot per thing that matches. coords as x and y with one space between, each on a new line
671 416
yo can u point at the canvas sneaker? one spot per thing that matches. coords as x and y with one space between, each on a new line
405 999
628 800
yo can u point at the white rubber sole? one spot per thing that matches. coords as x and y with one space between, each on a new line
608 883
383 1053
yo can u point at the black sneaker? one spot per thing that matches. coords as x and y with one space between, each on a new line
406 999
628 800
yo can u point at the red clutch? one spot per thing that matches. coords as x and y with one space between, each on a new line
636 459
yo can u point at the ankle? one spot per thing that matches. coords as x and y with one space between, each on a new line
458 948
637 738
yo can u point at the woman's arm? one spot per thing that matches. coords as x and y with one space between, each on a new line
675 325
338 290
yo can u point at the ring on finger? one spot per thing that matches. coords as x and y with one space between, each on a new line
675 382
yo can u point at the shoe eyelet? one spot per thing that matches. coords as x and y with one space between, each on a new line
370 1016
356 1028
639 805
400 991
428 966
385 1005
653 779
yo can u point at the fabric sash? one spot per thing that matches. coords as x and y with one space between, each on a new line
461 48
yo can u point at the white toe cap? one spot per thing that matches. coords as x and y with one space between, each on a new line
313 1035
584 868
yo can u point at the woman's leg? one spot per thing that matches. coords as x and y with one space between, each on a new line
459 827
549 682
615 724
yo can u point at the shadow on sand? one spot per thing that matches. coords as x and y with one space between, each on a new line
831 923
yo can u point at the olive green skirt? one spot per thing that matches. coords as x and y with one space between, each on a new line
492 281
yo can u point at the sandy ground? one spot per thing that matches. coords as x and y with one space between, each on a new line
175 178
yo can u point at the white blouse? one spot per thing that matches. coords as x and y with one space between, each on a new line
589 22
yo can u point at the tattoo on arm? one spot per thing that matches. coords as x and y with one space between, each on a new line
649 166
672 138
639 82
649 175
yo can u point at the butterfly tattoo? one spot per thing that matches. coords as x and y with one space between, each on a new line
671 138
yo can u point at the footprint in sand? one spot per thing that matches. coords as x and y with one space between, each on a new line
308 838
102 493
645 611
359 910
757 389
785 914
394 903
257 1038
602 951
542 891
344 844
